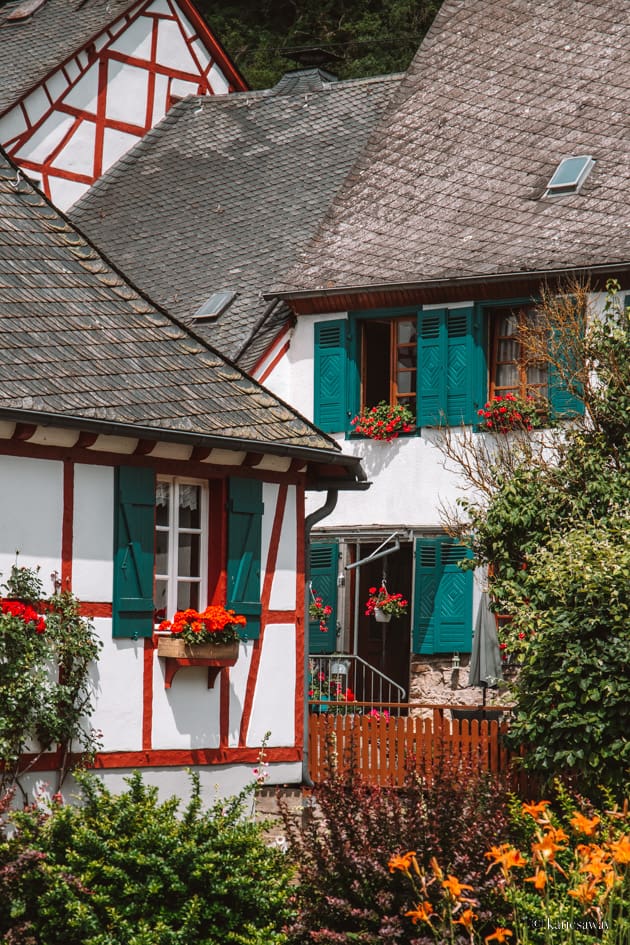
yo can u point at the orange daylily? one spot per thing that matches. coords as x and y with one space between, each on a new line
547 847
584 893
621 849
454 887
435 866
535 810
466 919
422 913
499 935
583 824
403 862
539 879
505 856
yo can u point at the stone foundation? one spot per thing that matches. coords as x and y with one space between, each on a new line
435 680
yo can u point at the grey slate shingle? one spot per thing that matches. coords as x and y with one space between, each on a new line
79 341
450 186
224 192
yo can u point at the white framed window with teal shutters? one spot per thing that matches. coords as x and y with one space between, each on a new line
443 592
323 570
181 545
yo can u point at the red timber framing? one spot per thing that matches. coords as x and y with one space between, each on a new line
217 477
104 99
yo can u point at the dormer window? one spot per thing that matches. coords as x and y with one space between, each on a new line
569 176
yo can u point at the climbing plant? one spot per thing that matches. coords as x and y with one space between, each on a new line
46 648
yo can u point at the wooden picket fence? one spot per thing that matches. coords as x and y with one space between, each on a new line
384 749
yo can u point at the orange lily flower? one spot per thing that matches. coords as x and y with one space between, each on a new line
621 849
403 862
499 935
539 879
422 913
454 887
584 893
505 856
466 919
583 824
535 810
435 866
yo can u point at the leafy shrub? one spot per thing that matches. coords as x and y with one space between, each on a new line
345 892
127 870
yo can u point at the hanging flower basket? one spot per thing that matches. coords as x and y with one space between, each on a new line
210 638
384 422
383 605
319 611
506 413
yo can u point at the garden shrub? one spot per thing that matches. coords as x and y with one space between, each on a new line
345 892
128 870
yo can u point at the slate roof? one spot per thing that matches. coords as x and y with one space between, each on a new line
224 192
79 343
450 187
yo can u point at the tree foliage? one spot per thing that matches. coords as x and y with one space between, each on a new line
350 38
549 517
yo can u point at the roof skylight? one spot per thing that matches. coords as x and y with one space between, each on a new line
215 305
569 175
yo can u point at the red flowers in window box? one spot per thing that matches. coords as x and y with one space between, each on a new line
505 413
384 422
214 625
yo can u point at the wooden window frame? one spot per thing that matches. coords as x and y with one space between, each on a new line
395 397
172 578
524 387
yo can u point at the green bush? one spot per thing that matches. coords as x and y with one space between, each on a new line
127 870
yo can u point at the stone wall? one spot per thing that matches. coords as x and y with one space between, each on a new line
435 680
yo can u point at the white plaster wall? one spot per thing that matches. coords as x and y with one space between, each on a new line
118 679
239 675
187 714
283 588
93 528
216 782
270 499
273 707
31 510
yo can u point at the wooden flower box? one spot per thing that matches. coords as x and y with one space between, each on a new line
179 654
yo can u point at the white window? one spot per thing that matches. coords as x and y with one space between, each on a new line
181 546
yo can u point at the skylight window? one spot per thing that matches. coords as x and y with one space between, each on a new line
569 175
215 305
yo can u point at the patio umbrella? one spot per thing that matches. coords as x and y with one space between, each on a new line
485 658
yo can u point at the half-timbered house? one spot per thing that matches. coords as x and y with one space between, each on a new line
81 85
150 474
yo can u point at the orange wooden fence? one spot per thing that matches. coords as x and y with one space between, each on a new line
383 749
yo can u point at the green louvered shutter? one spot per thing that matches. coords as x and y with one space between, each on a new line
330 369
431 379
442 620
450 366
563 402
134 542
245 509
323 560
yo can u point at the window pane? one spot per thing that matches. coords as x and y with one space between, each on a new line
188 555
508 350
160 595
407 382
162 502
189 506
508 324
161 552
187 596
507 377
406 332
406 358
537 375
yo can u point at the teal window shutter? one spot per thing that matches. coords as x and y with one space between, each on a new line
134 541
323 561
564 403
245 510
330 369
450 363
442 620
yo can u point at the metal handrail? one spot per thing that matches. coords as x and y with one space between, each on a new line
332 675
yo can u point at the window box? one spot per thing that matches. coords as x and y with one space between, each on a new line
179 654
